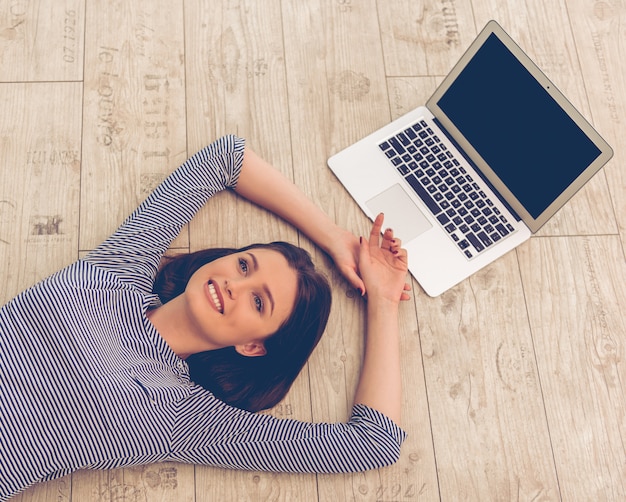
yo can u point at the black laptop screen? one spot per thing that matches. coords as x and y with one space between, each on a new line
532 145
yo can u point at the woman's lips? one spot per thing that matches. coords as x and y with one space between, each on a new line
215 297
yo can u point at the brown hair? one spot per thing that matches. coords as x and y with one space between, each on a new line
256 383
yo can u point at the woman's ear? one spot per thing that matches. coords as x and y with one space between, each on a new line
251 349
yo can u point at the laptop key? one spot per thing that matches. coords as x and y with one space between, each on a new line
395 144
475 242
485 239
503 231
403 169
403 139
423 194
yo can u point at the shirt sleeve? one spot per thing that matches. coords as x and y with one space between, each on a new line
134 251
241 440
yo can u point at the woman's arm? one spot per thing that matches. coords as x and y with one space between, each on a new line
264 185
133 252
237 439
383 267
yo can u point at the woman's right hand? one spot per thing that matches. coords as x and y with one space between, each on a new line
383 264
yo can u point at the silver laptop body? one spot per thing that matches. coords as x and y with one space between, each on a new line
496 151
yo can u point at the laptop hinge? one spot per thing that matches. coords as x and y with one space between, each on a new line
475 167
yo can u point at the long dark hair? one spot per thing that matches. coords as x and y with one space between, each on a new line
255 383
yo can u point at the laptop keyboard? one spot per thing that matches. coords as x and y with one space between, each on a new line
462 208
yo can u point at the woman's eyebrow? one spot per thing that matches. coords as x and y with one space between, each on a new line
268 293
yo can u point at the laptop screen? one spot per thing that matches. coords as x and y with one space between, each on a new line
521 132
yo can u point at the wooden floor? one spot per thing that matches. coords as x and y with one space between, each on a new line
514 381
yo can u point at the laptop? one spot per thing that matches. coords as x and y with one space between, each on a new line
496 151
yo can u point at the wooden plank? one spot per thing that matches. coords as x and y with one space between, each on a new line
53 491
236 84
134 128
337 94
600 44
543 31
40 183
41 41
488 419
163 482
99 486
576 300
424 37
39 196
220 484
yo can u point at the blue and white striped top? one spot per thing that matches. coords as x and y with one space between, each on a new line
86 382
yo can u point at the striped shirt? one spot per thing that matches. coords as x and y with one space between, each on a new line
86 382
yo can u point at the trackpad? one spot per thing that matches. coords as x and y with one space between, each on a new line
401 213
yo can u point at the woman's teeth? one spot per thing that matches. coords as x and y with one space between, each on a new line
215 298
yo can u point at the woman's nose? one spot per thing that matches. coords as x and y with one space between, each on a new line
233 287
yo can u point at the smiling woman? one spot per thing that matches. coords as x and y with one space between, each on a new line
117 361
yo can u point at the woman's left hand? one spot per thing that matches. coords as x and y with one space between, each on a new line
384 264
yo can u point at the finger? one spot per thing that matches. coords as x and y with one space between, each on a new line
376 228
388 239
404 296
395 244
401 254
354 279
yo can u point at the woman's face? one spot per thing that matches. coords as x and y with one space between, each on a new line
241 299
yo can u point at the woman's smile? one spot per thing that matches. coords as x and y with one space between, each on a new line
215 297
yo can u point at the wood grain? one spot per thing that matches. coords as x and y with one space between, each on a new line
579 342
42 40
40 183
134 109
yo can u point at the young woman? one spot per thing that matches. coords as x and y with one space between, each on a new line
97 371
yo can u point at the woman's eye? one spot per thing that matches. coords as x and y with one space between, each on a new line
258 302
243 265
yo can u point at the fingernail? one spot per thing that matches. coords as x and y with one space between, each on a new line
360 240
